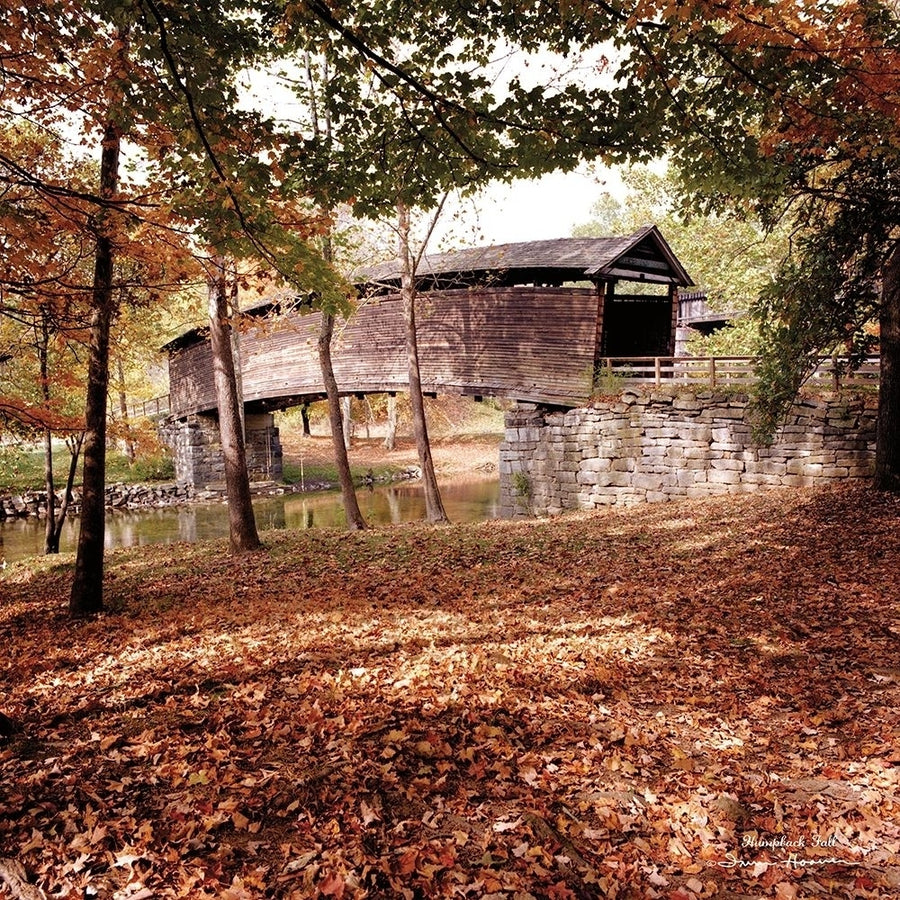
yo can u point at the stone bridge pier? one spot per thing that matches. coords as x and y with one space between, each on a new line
197 449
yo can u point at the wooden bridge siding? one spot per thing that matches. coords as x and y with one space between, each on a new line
519 342
523 343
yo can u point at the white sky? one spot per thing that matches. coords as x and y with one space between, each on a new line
541 209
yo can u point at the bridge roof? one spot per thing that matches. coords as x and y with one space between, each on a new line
642 256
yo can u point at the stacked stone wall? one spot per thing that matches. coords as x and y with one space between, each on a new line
197 449
666 445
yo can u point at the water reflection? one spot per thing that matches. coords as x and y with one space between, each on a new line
472 501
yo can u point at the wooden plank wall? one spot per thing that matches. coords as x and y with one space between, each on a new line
525 343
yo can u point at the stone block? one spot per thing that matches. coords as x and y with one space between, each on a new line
659 432
717 413
698 432
850 461
687 477
645 481
797 481
734 465
761 478
723 476
654 450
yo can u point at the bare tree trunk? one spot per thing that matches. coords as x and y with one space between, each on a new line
43 347
390 439
243 536
347 418
123 409
51 539
887 459
87 586
236 353
434 507
304 418
355 520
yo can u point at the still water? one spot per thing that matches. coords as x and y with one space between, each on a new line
472 501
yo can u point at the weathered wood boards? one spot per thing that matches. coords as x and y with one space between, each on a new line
512 320
526 343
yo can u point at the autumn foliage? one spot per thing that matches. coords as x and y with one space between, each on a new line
683 701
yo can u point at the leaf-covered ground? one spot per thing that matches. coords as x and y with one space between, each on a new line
675 701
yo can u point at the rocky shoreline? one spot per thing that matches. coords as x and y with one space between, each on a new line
25 504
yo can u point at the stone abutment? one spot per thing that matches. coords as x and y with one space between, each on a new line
197 449
657 446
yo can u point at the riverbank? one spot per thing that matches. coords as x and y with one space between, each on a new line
455 457
309 467
597 705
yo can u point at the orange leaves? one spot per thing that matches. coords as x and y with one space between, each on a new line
678 737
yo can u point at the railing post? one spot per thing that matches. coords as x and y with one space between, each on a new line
712 371
657 370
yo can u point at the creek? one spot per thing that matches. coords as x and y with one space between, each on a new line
464 501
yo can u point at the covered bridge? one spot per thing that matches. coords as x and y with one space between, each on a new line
527 321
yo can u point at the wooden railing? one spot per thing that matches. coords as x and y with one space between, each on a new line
158 406
720 371
701 371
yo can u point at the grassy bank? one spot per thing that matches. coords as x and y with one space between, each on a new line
679 701
22 468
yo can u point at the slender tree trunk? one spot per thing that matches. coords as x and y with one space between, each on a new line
123 410
243 535
390 439
304 418
236 353
434 507
887 458
321 128
347 418
87 586
74 444
51 538
51 545
355 520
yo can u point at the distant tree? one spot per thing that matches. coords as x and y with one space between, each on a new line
731 257
43 313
